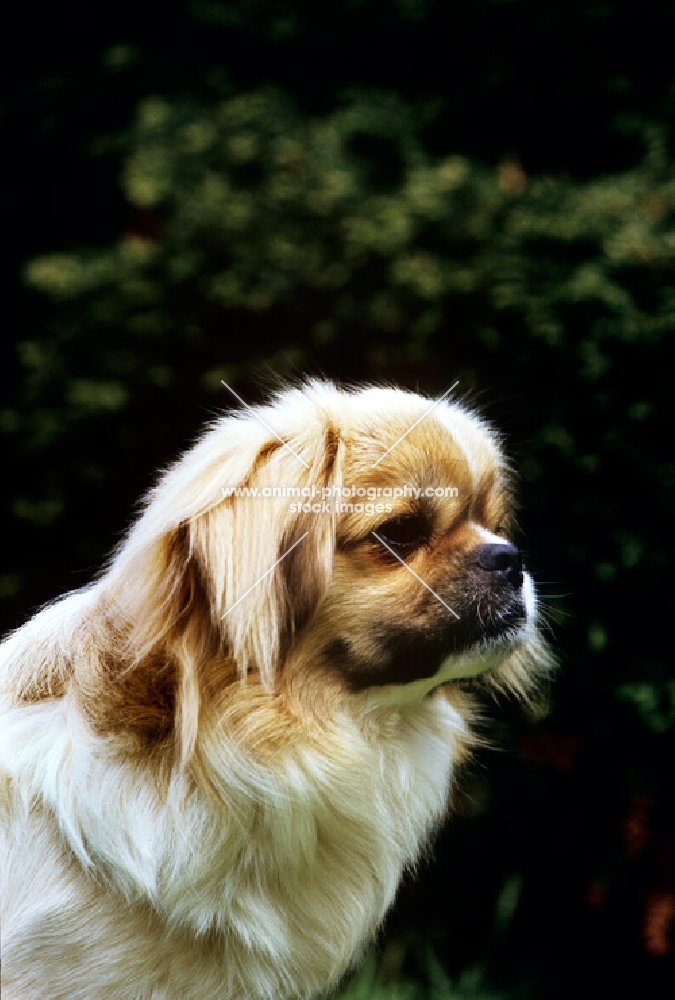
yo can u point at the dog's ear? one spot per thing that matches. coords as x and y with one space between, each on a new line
230 557
267 548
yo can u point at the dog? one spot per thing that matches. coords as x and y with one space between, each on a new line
218 759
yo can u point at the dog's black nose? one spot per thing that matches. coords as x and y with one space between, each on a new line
502 559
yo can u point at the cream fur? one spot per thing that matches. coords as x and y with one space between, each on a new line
252 849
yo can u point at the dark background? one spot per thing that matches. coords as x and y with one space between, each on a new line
406 190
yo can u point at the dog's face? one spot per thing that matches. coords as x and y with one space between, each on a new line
431 589
425 586
387 571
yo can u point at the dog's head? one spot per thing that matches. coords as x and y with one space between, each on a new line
357 539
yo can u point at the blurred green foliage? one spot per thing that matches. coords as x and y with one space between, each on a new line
407 191
247 204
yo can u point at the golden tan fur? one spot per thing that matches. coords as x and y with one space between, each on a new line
213 775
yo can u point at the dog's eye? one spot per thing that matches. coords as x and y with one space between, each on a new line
404 532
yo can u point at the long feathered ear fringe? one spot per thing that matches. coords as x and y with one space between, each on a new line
205 574
268 555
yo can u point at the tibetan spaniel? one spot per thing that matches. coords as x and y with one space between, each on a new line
217 761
